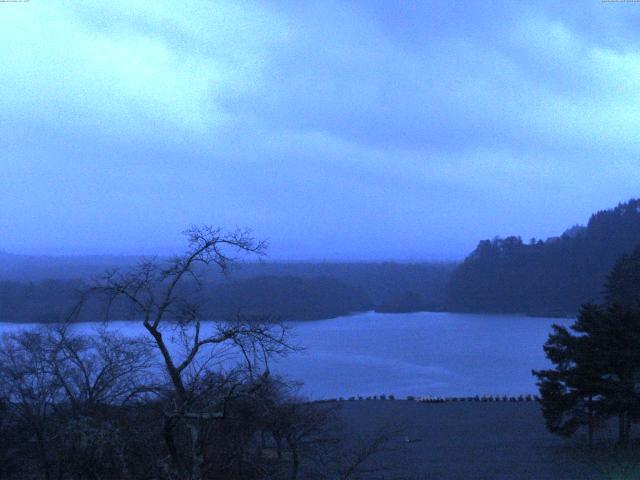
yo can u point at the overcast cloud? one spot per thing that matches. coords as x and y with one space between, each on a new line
368 130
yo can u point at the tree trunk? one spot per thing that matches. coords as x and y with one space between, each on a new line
197 452
591 420
44 460
627 429
278 447
295 459
623 429
167 433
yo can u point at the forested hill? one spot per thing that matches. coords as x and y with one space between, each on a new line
387 285
284 298
36 289
545 277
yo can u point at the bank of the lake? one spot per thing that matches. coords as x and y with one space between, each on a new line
475 440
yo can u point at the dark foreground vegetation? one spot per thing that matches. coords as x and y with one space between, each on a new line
96 407
177 404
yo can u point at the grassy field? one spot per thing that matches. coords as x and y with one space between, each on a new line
474 440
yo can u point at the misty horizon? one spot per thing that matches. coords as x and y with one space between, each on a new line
285 256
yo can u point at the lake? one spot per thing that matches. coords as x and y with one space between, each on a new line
420 354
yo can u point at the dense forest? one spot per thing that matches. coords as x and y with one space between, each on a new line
286 298
45 289
546 277
283 298
382 281
387 284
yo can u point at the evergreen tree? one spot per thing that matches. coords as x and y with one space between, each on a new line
618 351
623 283
596 372
570 392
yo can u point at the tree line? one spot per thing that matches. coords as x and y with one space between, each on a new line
288 298
290 291
552 277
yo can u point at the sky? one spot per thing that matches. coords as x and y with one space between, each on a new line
365 130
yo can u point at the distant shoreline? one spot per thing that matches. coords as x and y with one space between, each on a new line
311 320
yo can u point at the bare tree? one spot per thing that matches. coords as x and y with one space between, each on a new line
187 400
304 431
10 438
31 392
60 390
163 295
313 441
104 368
98 376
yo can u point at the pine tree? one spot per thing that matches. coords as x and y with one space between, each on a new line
570 392
623 283
596 372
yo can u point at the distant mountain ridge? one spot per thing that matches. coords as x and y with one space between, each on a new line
545 277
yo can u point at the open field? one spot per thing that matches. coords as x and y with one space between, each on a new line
475 440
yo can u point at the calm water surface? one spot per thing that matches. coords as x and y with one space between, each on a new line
426 353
